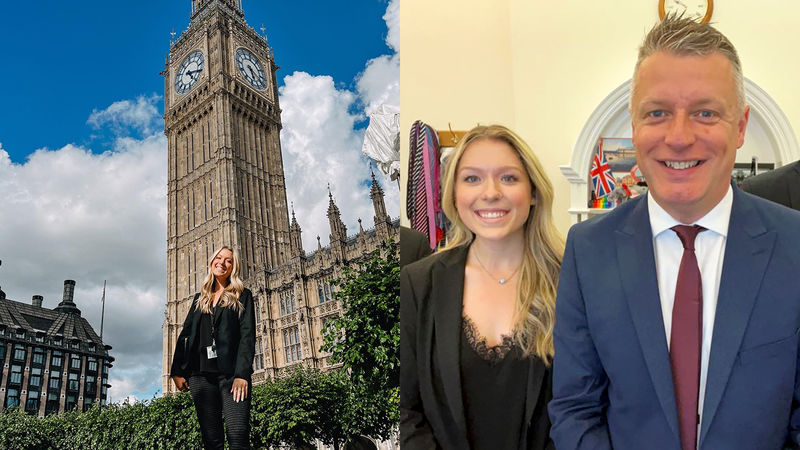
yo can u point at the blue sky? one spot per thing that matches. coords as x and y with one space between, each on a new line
83 154
62 60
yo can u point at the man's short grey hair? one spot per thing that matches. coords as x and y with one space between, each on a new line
683 36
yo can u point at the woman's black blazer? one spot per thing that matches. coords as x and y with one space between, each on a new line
431 403
235 337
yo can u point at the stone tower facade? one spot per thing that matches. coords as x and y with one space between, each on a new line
226 187
225 170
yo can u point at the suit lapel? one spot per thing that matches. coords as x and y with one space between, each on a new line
218 310
448 282
747 251
195 309
635 244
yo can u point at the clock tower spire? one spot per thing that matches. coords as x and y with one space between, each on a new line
232 6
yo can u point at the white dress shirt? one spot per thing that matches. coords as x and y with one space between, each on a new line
710 251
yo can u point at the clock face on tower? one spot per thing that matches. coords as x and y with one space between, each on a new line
189 72
251 69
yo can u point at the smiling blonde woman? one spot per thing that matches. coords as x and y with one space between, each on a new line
477 318
215 353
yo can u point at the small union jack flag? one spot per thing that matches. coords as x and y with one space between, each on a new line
602 180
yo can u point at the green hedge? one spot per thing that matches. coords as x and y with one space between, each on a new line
305 405
168 422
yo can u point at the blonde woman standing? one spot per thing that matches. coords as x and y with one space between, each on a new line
214 353
477 317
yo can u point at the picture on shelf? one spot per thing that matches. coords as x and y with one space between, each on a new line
747 170
614 174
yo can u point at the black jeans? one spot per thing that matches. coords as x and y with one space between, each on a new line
212 396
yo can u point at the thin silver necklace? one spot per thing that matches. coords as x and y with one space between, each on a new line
501 280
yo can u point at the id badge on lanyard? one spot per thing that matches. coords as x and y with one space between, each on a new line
211 350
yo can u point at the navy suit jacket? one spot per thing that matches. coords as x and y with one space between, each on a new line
612 381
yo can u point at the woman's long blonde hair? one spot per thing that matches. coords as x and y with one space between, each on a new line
534 313
230 296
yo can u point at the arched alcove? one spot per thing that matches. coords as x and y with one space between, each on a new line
769 137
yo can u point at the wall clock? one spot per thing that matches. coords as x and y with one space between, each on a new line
699 10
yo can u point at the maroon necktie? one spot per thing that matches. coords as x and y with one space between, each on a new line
687 331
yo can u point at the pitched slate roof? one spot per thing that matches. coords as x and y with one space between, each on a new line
17 315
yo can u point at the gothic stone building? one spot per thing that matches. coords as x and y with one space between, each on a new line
52 360
226 186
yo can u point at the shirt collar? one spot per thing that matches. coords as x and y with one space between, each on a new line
716 220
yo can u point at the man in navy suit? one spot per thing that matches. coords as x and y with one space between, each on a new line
620 375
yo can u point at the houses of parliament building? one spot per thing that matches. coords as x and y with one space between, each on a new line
226 186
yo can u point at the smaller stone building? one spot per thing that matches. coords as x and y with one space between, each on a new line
295 300
51 359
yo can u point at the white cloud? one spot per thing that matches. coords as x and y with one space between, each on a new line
130 399
320 146
392 18
141 115
379 83
74 214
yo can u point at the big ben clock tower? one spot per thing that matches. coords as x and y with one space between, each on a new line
225 170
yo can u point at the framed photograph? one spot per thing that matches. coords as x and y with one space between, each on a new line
614 176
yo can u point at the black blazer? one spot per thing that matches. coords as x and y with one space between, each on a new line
413 246
431 404
781 185
235 337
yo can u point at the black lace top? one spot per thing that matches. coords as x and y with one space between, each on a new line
201 364
494 384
